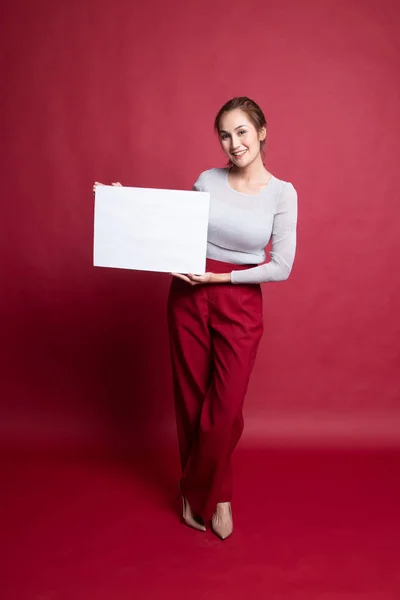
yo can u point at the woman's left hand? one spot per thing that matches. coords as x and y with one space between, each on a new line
196 279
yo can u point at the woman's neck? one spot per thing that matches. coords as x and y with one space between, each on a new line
253 172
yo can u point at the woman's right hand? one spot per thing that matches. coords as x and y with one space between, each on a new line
115 184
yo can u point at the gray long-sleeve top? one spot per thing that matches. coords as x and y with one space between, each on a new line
241 225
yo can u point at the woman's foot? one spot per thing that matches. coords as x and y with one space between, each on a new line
188 517
222 522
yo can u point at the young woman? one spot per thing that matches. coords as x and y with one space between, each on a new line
215 320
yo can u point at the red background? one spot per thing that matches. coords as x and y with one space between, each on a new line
116 90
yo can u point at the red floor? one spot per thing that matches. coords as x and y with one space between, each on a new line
308 525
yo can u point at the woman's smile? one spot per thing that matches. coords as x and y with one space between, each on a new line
239 154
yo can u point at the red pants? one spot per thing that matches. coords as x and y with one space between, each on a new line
214 332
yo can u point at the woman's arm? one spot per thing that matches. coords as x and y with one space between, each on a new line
283 244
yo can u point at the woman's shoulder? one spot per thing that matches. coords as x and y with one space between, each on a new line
283 182
285 188
208 177
214 173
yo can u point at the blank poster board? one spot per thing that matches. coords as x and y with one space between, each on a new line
151 229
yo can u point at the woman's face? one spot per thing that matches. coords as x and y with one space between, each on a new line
239 139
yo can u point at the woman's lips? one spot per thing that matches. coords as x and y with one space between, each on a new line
239 155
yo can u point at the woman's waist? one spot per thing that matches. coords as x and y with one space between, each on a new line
223 260
220 266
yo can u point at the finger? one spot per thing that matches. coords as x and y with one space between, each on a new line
193 282
116 184
199 278
181 276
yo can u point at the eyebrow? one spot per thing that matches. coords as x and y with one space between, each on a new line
224 131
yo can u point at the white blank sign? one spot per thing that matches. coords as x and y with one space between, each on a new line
151 229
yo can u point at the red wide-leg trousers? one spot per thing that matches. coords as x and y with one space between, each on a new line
214 330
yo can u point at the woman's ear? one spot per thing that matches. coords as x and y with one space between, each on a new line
263 133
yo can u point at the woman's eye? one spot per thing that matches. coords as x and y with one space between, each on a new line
224 136
241 131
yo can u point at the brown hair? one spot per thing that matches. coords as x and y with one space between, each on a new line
251 108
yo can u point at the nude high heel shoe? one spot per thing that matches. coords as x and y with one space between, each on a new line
223 528
187 515
188 518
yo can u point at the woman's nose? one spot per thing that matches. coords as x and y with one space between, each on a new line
234 142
